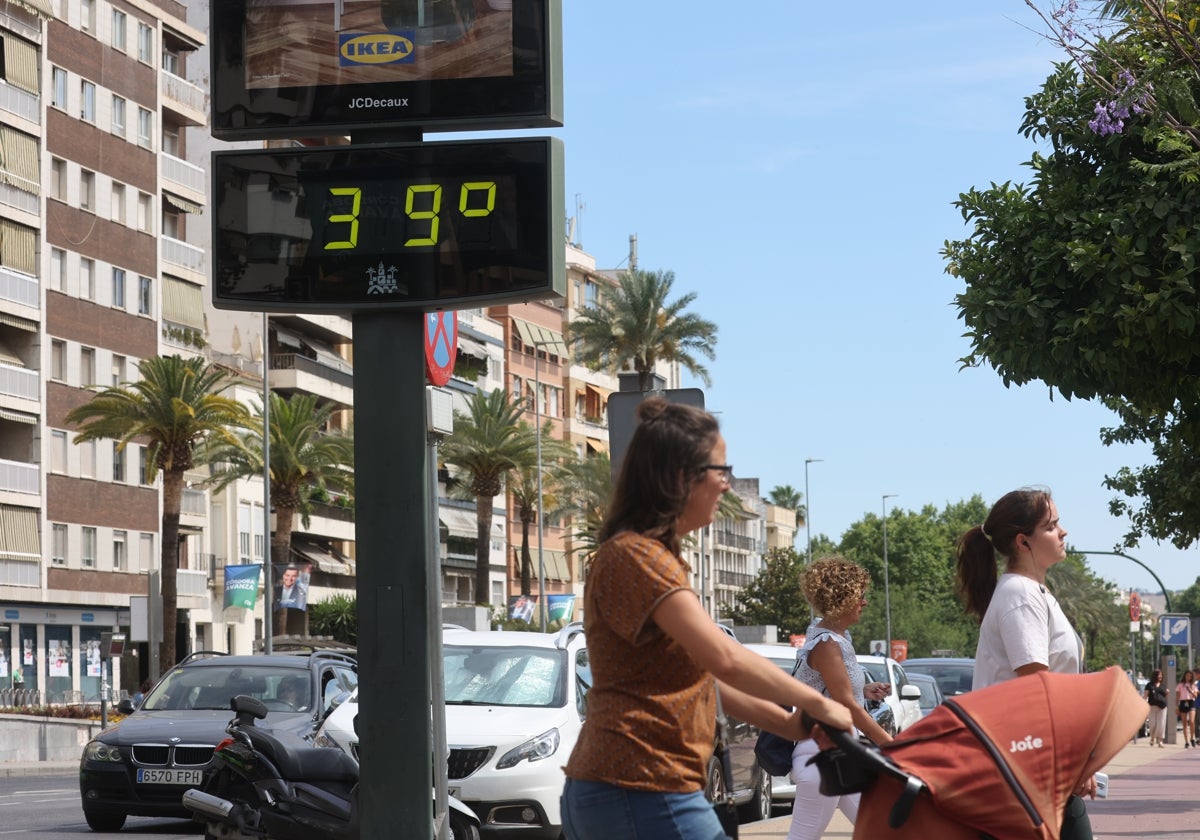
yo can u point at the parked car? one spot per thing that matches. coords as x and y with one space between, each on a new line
954 674
903 698
142 765
783 789
931 692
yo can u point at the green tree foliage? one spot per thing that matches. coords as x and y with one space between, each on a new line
635 325
787 496
774 596
583 489
336 616
176 407
490 442
307 459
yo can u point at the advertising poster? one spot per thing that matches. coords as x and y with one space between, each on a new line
93 658
522 607
899 649
241 585
879 647
560 607
27 652
3 663
60 658
291 586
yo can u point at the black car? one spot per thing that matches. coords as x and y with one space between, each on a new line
142 765
954 675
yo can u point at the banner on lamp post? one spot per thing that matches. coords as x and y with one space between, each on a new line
241 585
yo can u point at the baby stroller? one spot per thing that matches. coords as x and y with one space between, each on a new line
995 763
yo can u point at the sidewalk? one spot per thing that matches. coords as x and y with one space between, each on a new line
1153 792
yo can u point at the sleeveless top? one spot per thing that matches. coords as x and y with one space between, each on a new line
812 677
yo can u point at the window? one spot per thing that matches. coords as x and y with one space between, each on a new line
145 43
58 360
87 366
170 140
58 179
142 465
118 115
87 190
171 62
87 101
517 389
146 551
118 30
145 128
87 459
59 77
58 451
58 544
87 278
145 296
89 547
145 213
58 261
118 461
118 370
118 288
119 556
87 15
118 203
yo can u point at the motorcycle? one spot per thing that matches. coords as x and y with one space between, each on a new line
276 785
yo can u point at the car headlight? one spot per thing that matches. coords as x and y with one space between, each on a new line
323 740
535 749
100 751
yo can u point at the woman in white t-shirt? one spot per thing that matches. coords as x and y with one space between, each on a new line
1022 628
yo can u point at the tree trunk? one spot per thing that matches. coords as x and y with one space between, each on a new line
526 558
483 550
169 561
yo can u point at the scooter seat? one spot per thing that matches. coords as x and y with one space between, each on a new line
299 761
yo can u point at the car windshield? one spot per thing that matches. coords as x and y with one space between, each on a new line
212 687
952 678
504 676
875 672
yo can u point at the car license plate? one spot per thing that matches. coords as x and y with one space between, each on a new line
169 777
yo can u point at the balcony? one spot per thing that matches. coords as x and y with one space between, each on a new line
18 287
21 104
19 382
184 99
326 377
329 521
729 539
194 502
182 177
20 477
185 257
192 583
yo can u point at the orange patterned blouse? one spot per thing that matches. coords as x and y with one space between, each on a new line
651 712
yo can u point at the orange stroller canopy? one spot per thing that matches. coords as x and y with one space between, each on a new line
1002 761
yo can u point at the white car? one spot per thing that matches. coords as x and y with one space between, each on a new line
904 698
515 704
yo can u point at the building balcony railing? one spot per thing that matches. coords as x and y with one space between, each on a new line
20 103
20 194
192 582
333 511
341 374
183 175
18 287
179 253
194 502
184 98
737 579
19 382
20 477
729 539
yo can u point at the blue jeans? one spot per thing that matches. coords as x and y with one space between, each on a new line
600 811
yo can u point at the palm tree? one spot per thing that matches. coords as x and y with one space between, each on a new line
523 485
305 458
489 442
176 405
634 324
787 496
583 489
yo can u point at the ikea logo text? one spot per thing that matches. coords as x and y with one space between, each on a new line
375 48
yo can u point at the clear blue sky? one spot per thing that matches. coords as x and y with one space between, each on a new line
795 165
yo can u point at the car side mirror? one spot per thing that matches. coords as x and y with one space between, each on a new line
910 692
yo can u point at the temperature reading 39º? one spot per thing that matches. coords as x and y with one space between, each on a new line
422 214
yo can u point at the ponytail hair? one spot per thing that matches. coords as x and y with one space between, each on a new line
1016 513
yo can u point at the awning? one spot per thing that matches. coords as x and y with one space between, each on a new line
20 160
471 347
460 524
541 338
18 247
288 339
183 303
323 559
41 8
18 417
18 322
21 62
19 539
9 357
182 203
557 567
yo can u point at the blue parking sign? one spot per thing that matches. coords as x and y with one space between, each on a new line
1175 629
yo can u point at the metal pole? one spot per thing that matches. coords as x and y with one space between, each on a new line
887 591
268 581
437 668
537 416
808 509
1166 595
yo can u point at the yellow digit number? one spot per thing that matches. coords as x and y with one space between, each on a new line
477 186
350 218
431 214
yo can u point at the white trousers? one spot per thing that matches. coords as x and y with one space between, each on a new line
1158 723
812 812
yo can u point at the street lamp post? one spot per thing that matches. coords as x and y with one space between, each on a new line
808 509
537 417
887 590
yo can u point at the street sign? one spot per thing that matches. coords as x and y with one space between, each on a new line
441 345
389 227
1135 606
1174 629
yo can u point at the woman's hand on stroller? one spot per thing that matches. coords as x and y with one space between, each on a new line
829 715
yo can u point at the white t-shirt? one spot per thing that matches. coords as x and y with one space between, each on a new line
1024 624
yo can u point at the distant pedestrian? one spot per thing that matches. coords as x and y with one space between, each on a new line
1022 628
1156 696
1186 694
